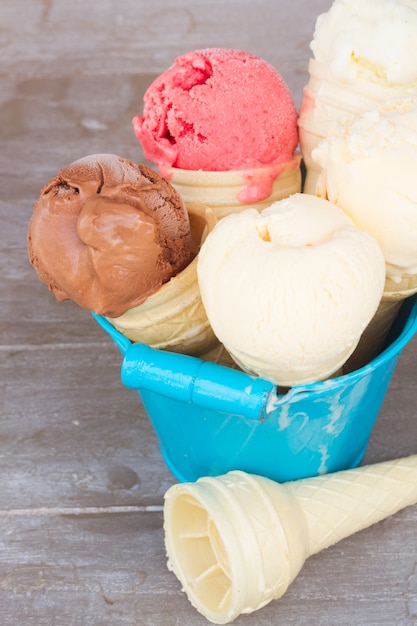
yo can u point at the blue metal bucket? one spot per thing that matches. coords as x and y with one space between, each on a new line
210 419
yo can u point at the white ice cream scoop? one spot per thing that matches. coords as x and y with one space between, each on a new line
369 167
237 541
364 53
289 290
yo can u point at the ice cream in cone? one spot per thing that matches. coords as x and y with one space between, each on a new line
289 290
221 125
237 541
174 318
117 238
353 70
368 168
107 233
233 191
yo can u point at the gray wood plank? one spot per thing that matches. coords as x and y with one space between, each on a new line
81 476
101 568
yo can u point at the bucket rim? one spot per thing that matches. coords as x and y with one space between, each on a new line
407 316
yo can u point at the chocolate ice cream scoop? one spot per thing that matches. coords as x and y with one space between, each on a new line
107 233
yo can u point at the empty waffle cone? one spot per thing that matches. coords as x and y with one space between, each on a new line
223 191
237 541
174 318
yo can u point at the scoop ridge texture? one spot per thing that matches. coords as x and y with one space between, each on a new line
290 290
218 110
375 39
369 170
107 233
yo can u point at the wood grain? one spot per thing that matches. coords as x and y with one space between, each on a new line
81 476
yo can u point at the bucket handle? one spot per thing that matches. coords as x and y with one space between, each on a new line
191 380
122 342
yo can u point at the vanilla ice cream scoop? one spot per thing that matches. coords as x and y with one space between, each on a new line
369 166
372 39
364 53
289 290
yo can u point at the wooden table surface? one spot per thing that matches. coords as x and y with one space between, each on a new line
81 476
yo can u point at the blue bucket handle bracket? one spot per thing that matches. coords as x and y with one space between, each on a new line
122 342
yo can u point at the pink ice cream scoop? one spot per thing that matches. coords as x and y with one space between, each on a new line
218 110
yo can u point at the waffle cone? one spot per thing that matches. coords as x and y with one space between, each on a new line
237 541
374 335
220 190
406 287
310 140
174 318
220 355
